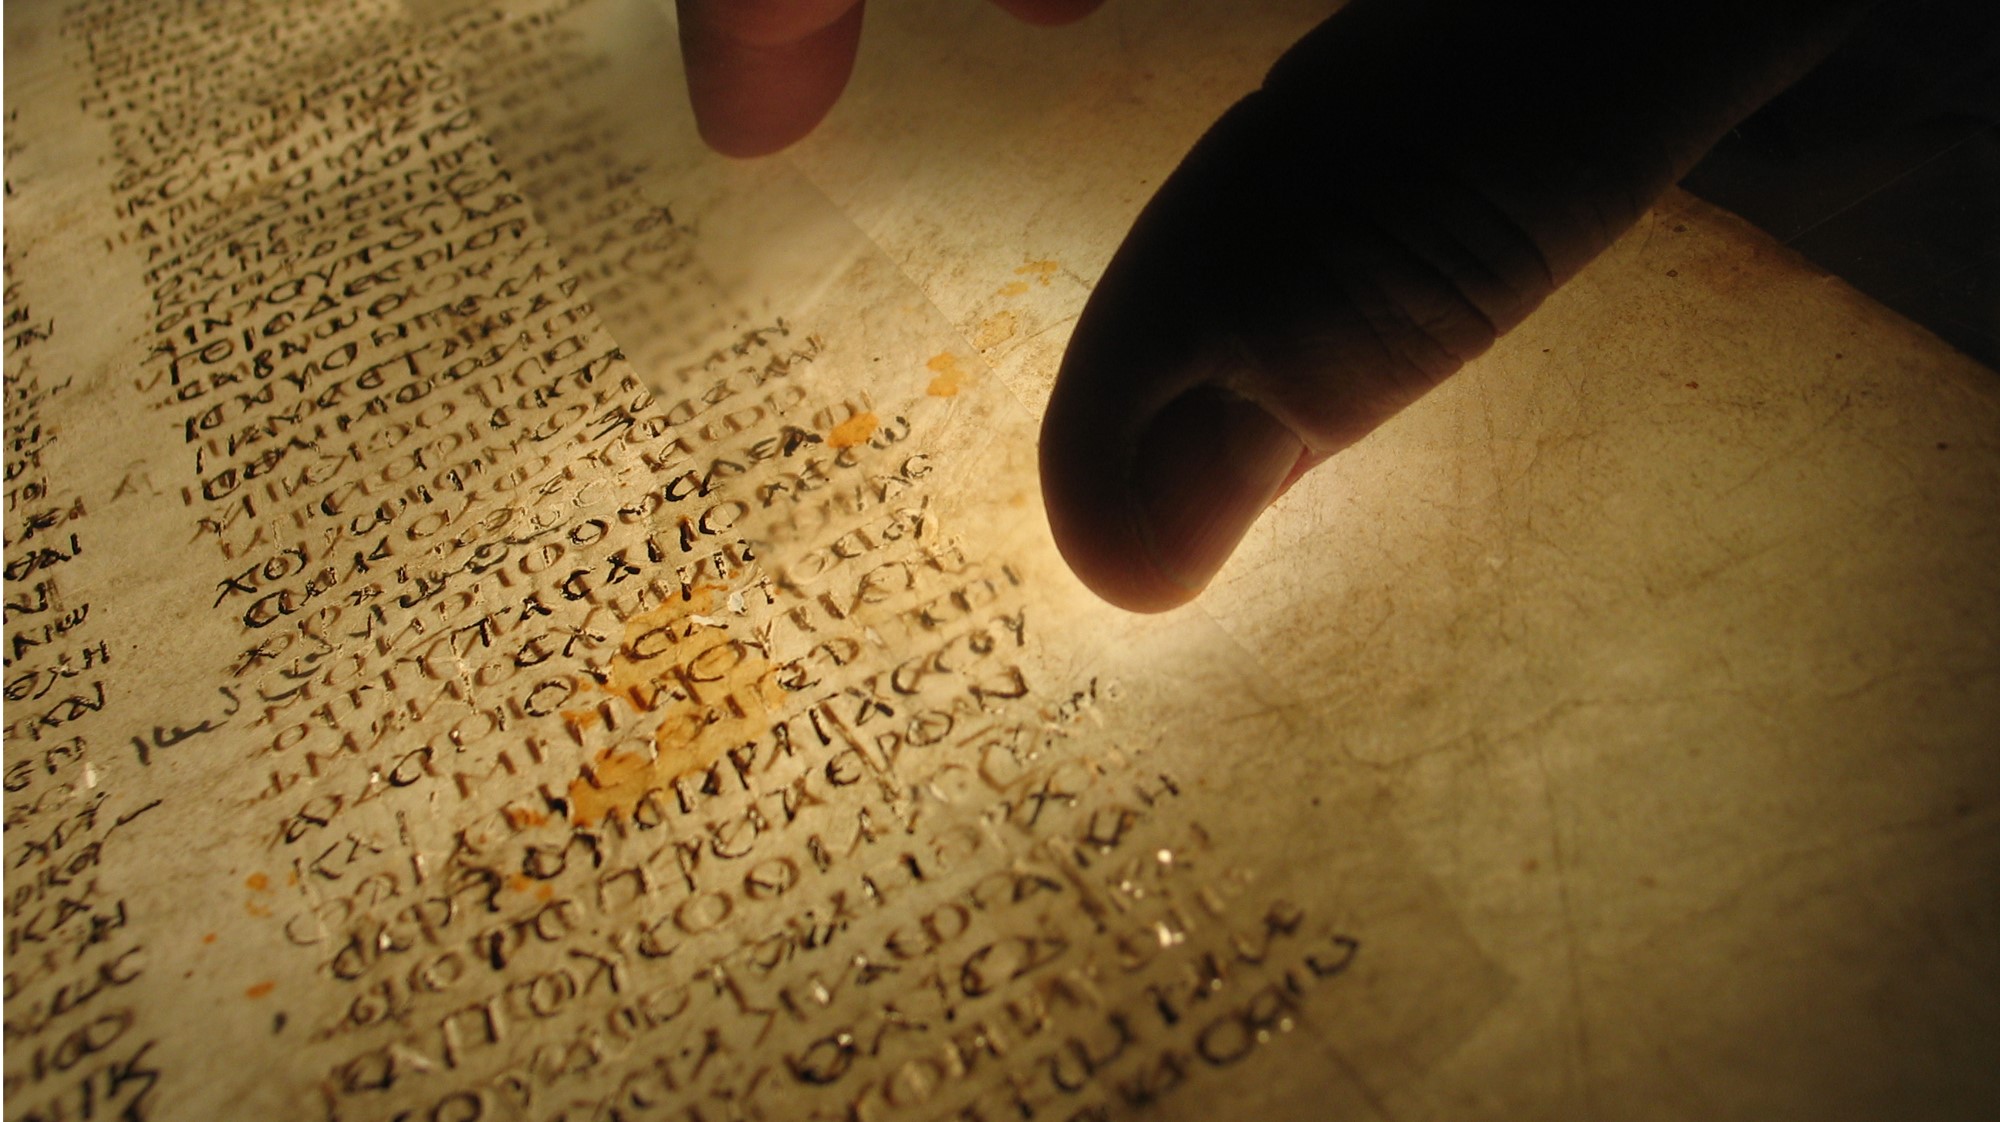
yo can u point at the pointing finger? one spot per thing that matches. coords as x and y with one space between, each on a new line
1411 181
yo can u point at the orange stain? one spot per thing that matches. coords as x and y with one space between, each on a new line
521 818
545 891
519 882
1037 273
663 646
621 679
854 430
1043 272
949 375
995 330
260 989
622 781
259 912
208 938
257 882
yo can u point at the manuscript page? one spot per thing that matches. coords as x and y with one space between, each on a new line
512 616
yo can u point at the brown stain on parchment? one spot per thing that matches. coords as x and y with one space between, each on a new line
854 430
950 375
735 706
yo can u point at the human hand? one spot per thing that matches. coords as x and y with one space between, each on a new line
1413 178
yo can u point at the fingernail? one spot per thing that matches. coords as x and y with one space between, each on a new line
1205 469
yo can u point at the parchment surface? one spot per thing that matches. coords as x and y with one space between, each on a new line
512 616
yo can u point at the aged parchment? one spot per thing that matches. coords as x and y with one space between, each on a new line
510 616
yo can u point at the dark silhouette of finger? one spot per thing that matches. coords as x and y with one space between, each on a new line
762 73
1412 180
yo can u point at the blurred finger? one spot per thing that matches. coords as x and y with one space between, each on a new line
1049 13
762 73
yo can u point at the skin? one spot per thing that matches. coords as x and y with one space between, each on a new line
1412 179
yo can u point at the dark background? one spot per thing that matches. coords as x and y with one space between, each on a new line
1883 167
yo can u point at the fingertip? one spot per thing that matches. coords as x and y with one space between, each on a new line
1148 531
755 99
727 134
738 138
1049 13
1101 541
